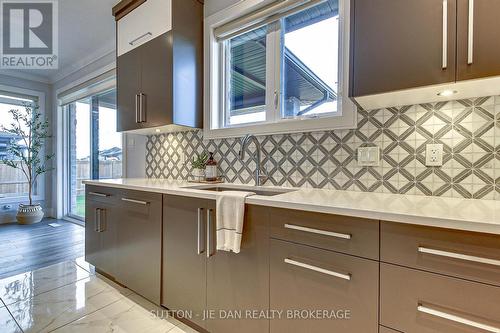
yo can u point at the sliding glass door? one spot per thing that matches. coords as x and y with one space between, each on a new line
94 146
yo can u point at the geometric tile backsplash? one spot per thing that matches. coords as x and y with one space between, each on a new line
468 129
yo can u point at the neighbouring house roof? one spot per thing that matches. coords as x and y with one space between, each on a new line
248 65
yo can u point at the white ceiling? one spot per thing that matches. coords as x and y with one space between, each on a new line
86 33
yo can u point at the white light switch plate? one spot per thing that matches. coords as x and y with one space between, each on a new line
368 156
434 155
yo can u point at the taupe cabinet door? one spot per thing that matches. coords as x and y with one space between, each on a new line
240 282
100 234
139 243
481 36
128 86
184 256
145 72
398 44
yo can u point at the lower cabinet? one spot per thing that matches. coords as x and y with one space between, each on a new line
139 243
100 229
202 282
322 291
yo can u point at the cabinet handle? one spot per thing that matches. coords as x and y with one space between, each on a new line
457 319
142 108
99 194
137 117
96 219
101 212
201 246
132 42
445 34
459 256
470 34
318 231
209 232
145 203
318 269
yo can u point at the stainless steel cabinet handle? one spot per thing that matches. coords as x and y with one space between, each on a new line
142 108
201 247
99 194
209 232
457 319
145 203
459 256
101 213
318 231
96 219
137 116
470 34
140 37
318 269
445 34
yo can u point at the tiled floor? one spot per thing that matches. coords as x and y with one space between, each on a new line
70 297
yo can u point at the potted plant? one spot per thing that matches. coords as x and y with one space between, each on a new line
26 153
199 163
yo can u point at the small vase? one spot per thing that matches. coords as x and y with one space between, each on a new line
29 214
198 175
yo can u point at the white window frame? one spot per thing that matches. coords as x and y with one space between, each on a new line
214 104
40 97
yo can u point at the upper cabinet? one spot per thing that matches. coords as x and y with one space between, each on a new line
159 64
407 52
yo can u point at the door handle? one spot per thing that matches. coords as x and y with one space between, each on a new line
139 202
209 233
318 231
101 213
445 34
97 194
470 34
460 256
318 269
142 108
137 116
96 219
201 247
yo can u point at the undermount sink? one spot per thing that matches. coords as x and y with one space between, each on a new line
264 192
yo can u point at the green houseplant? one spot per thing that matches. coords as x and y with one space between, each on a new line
199 163
25 152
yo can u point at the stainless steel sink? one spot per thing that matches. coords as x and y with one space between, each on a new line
257 191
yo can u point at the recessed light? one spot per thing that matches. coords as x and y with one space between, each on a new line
158 130
447 93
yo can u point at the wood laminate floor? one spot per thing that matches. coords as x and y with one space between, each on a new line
25 248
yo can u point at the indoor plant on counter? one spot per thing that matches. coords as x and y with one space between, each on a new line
199 163
25 153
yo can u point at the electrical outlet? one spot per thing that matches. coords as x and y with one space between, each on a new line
434 155
369 156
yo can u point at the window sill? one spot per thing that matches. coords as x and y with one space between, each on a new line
346 121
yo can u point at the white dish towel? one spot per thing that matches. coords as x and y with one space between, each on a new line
230 217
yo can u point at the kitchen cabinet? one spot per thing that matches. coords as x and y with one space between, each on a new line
398 44
405 52
139 243
478 50
100 229
196 277
306 282
159 64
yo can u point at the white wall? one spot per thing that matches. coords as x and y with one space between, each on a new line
213 6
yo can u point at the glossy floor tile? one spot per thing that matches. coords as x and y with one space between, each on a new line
70 297
26 285
58 307
131 314
7 323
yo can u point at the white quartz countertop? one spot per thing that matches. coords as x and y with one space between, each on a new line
461 214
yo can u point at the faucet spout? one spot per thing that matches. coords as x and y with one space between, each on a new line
260 174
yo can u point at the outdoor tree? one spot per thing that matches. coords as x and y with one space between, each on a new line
26 151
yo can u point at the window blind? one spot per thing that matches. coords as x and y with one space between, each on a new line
256 19
91 87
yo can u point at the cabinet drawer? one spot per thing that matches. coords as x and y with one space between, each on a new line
414 301
100 194
149 20
304 278
467 255
349 235
138 203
